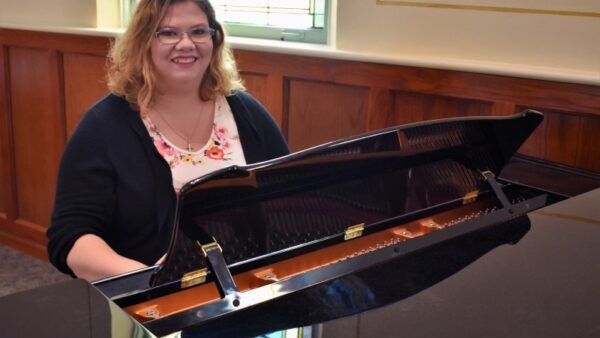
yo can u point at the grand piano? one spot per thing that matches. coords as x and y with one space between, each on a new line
428 229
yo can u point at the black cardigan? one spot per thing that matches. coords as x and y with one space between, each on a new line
113 183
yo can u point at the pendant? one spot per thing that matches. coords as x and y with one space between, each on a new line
189 148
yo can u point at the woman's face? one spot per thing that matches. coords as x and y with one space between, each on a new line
183 63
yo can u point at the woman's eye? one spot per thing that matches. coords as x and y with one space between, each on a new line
198 32
167 33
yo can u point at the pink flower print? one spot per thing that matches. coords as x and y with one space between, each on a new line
163 148
226 145
215 153
220 133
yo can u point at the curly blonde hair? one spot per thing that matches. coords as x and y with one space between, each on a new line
131 73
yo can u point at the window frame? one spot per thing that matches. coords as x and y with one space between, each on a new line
309 35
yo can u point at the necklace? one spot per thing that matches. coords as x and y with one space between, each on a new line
186 138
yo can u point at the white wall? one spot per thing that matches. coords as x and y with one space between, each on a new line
542 43
78 13
536 40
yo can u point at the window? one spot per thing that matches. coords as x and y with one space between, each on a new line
288 20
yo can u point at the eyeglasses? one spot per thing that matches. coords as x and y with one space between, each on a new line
197 35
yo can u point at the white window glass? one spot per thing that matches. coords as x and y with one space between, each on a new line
294 20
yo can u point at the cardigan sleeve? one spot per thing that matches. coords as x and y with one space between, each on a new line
261 138
84 201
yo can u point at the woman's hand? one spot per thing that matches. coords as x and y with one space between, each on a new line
161 260
92 259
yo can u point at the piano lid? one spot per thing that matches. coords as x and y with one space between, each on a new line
268 211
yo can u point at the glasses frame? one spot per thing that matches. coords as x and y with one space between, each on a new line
211 32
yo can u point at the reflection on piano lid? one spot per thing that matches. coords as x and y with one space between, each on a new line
70 309
377 286
247 238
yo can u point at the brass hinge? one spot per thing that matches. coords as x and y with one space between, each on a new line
487 173
209 246
354 231
193 278
470 197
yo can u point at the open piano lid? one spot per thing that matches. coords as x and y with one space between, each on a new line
264 212
240 219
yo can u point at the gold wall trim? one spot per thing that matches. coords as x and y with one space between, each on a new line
488 8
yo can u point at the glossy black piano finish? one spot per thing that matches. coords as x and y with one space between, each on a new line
69 309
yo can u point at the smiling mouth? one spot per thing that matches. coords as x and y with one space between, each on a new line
184 60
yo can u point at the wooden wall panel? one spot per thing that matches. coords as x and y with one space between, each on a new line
276 87
82 71
563 132
566 97
268 89
256 84
321 112
5 143
48 80
501 108
416 107
380 108
588 155
535 144
33 123
65 43
39 135
566 138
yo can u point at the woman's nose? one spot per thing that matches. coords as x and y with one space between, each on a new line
185 42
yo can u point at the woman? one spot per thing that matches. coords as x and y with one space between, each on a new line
176 111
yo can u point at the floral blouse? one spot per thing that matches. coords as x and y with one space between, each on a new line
222 150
